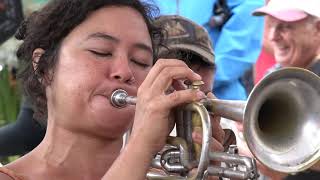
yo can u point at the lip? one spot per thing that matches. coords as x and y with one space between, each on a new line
283 48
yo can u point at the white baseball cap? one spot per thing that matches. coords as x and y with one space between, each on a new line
290 10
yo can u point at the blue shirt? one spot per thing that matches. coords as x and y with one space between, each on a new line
237 45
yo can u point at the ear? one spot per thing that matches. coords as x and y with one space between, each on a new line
36 55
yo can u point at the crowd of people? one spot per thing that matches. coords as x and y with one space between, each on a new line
75 53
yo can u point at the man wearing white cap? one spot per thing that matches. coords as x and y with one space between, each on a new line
294 31
295 38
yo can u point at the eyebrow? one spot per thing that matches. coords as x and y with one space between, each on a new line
144 47
102 36
105 36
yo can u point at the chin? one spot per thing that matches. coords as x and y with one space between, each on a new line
284 61
119 119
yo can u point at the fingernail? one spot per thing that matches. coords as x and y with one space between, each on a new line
196 136
198 76
200 95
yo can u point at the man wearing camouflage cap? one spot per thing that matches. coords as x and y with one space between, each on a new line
189 42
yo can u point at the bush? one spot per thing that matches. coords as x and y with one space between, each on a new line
10 96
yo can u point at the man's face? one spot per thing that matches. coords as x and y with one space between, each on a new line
294 43
197 64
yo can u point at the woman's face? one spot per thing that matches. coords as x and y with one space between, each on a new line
111 49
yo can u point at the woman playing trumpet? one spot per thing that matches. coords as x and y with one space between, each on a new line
76 52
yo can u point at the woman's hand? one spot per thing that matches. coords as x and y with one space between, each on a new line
153 109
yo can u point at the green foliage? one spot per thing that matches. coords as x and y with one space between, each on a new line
6 160
9 98
9 104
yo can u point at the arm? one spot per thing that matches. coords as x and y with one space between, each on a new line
135 159
4 177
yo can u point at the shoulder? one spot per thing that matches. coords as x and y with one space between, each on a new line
4 176
7 174
316 67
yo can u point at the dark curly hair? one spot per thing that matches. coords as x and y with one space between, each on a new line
47 28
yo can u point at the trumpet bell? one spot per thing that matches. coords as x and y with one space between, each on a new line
282 120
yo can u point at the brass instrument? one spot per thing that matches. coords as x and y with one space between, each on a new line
281 128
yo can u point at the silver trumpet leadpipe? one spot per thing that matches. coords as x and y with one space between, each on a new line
120 98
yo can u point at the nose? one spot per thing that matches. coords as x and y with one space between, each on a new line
121 70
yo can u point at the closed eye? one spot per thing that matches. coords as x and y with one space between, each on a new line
101 54
144 65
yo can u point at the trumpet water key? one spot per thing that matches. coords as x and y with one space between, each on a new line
280 120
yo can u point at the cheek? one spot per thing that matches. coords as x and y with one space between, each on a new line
72 80
140 76
67 91
207 78
207 87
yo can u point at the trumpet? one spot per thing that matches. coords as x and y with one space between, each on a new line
281 128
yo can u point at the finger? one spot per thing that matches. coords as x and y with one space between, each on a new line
217 131
179 85
165 102
193 171
213 178
229 139
158 67
180 97
214 144
239 126
211 95
166 77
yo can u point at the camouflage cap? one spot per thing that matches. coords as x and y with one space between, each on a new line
184 34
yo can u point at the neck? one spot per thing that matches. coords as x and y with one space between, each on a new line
307 64
68 152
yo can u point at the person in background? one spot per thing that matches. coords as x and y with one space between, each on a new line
237 38
290 32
